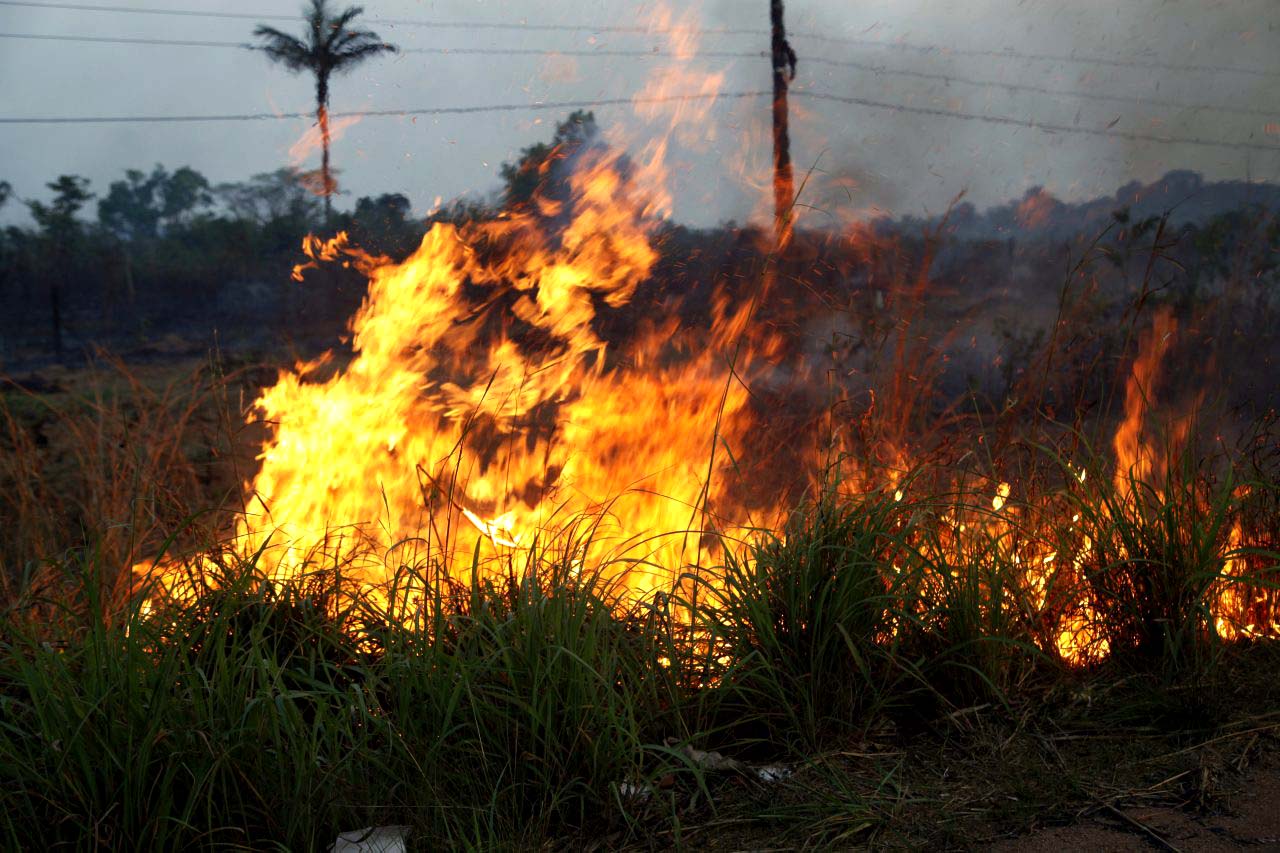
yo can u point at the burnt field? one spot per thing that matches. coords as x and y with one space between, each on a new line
937 506
559 517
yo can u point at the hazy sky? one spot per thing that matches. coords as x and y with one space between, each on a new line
893 161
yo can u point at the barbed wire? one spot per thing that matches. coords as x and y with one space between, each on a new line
878 70
1068 58
1044 127
124 40
919 47
460 110
936 112
948 79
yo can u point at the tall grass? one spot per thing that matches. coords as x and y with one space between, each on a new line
116 461
253 716
536 703
542 703
802 617
1162 557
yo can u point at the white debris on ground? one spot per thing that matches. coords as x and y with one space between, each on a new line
717 761
633 791
773 773
372 839
713 761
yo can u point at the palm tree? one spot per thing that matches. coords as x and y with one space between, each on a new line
327 47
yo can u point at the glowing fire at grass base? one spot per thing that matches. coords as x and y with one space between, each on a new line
483 422
1034 558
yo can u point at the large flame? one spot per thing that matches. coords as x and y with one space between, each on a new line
481 408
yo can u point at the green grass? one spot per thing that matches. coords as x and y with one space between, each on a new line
544 706
798 615
254 716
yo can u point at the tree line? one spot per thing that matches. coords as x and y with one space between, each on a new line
164 246
167 259
168 252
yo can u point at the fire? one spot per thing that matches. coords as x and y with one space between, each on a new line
1137 461
312 138
432 411
1232 601
481 406
481 411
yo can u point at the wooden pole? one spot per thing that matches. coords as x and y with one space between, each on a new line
784 71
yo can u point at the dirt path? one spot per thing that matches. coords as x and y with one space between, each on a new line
1247 818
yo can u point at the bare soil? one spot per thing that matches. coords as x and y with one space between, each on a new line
1245 818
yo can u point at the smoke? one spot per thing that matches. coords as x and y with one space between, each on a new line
890 160
907 163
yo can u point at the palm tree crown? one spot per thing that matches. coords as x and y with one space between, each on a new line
328 47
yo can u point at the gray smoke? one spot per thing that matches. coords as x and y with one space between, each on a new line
899 162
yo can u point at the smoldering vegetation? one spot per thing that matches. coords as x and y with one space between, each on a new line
961 380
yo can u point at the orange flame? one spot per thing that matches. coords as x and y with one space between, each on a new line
312 138
481 405
1136 460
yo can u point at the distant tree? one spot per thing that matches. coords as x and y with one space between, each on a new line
6 235
327 47
58 219
63 236
8 255
382 224
543 167
390 210
280 210
144 206
462 209
272 197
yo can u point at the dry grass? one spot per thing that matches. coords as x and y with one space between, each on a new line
119 460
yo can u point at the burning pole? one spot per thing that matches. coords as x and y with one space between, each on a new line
784 71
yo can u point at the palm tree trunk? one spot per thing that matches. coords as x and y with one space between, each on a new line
322 116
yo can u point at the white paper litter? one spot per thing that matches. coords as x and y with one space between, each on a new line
372 839
773 773
640 792
718 762
712 760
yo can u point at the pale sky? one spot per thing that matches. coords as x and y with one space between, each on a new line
889 161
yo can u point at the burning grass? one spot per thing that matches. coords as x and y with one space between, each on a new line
539 698
537 562
565 671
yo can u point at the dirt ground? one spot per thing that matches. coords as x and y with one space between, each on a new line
1245 818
